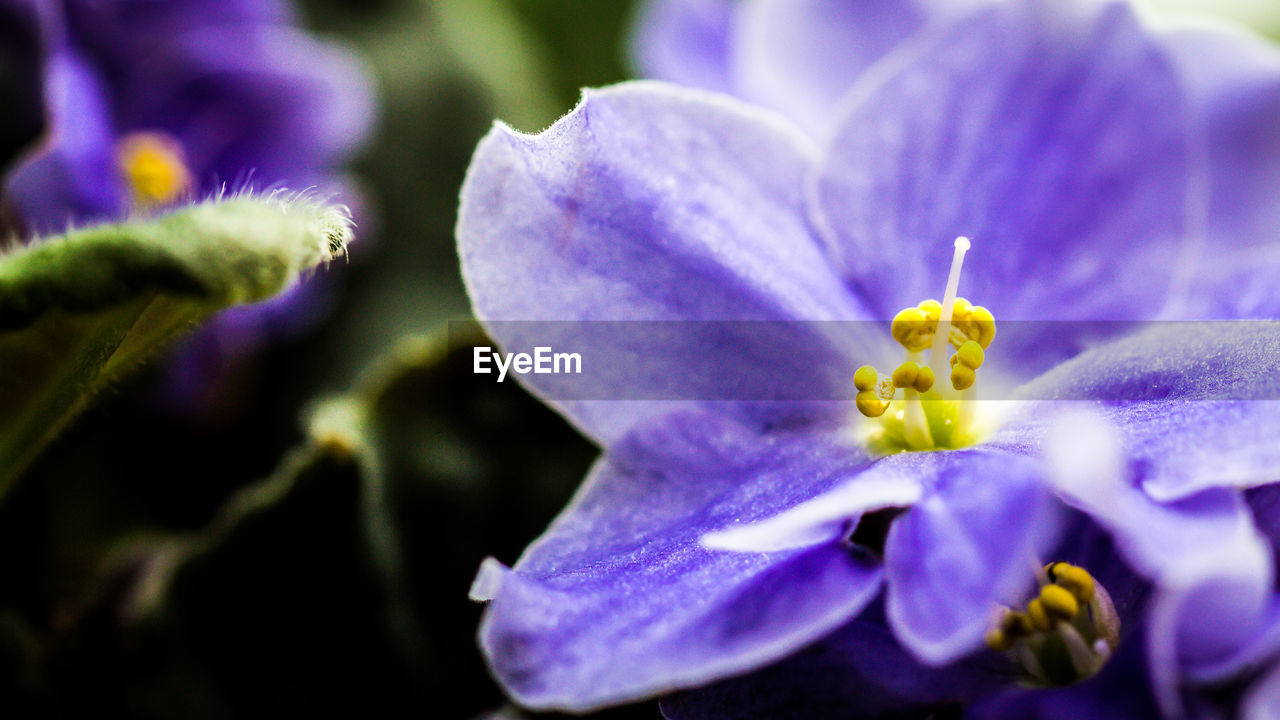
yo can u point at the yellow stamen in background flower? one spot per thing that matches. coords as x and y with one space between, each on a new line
153 169
1066 633
1076 580
1059 602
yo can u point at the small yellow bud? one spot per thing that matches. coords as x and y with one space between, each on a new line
924 379
865 378
870 404
970 354
1059 602
962 377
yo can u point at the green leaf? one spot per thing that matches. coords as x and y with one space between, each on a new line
78 310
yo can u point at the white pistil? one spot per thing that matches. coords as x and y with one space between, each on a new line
938 354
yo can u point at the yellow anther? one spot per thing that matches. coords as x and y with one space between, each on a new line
870 404
999 641
1015 623
1039 616
980 326
865 378
924 379
153 168
962 377
1076 580
970 355
960 310
913 329
1059 602
906 374
932 309
1057 643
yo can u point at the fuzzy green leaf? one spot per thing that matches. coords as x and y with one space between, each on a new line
78 310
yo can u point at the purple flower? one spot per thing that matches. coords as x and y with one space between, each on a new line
719 537
153 103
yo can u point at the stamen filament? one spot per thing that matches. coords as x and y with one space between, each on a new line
1084 661
943 333
1031 663
915 423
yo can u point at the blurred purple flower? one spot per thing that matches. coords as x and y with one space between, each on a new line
195 93
151 103
1068 139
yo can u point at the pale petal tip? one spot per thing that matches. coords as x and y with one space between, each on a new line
488 580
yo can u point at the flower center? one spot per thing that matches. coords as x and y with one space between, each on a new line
929 417
153 168
1063 635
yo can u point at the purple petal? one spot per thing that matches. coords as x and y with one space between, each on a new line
685 42
623 569
801 56
860 671
968 547
895 481
1196 403
1161 540
72 178
1205 625
650 202
1262 643
1233 78
1052 134
282 105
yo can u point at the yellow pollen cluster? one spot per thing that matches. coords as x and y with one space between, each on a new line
153 169
1060 601
973 328
876 392
1065 633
